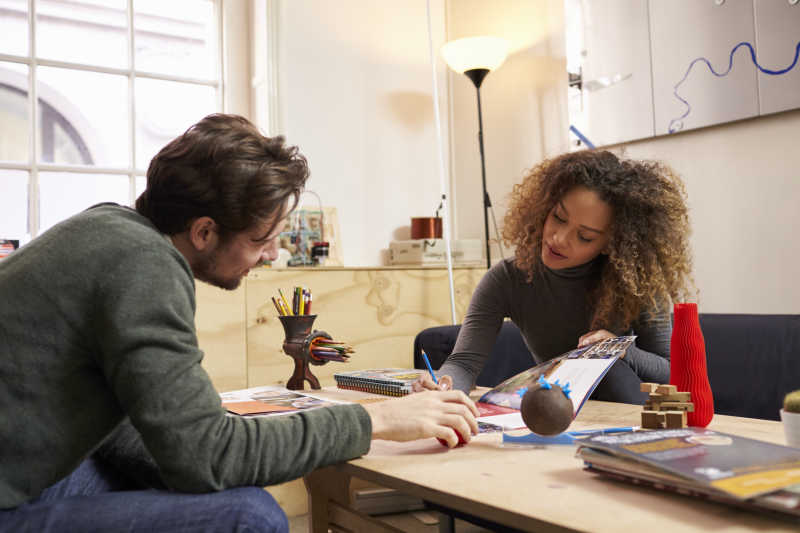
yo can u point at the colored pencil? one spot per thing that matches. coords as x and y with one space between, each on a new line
278 307
285 303
428 364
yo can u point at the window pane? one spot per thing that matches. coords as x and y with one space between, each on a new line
165 109
141 185
83 117
14 205
62 194
178 37
89 31
14 128
14 28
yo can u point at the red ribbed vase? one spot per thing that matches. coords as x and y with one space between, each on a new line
687 366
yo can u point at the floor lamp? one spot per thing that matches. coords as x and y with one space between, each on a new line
475 57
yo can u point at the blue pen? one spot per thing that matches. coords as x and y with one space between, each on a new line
428 364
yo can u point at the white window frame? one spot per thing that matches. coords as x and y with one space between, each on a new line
232 42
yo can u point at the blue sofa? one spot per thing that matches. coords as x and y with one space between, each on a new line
753 360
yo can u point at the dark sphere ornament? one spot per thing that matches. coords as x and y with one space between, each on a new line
546 409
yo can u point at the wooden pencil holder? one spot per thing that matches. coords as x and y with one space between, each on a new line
297 345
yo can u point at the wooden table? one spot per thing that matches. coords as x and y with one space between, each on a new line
531 488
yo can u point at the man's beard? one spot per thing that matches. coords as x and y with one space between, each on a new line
205 270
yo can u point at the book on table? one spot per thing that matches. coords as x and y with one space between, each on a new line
386 381
700 462
581 368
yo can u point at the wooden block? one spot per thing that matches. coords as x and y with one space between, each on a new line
677 406
648 387
652 406
652 420
675 419
667 389
677 397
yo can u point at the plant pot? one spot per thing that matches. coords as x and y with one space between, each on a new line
791 428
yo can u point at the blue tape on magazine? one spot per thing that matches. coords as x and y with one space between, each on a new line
568 437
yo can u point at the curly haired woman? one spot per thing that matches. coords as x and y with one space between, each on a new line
601 250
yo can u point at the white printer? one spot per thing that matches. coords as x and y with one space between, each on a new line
432 252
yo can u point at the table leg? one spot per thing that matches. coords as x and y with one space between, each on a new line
329 505
324 486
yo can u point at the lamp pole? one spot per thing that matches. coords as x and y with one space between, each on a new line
475 57
477 75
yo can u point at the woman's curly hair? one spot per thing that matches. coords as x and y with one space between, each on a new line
649 261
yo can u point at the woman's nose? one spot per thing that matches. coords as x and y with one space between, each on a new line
560 237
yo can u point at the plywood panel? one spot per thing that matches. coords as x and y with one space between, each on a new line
778 39
378 311
220 323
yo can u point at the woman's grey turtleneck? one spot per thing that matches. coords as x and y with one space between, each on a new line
552 313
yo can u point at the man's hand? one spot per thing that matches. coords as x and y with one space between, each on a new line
596 336
427 414
425 382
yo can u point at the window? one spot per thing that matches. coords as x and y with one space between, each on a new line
90 90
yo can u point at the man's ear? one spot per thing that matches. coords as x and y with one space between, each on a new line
203 233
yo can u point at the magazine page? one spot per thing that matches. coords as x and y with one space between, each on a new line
582 368
738 466
267 400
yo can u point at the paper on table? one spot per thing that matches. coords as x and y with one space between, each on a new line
507 421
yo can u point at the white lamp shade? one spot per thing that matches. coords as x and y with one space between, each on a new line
475 52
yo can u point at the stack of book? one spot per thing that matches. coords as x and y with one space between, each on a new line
387 381
699 462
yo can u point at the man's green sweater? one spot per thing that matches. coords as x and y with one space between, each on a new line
96 325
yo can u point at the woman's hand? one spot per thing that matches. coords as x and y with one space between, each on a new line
596 336
442 414
425 382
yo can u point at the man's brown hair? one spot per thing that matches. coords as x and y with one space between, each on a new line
223 168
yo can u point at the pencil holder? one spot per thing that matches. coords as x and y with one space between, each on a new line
297 344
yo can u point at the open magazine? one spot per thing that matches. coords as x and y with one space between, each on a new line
700 462
264 401
582 368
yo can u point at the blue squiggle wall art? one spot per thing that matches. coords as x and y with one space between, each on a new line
676 124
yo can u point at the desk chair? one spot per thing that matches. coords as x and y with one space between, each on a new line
509 355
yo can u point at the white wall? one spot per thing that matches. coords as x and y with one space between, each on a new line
524 104
236 36
355 93
743 183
